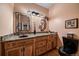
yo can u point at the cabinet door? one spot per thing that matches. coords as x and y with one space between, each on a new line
54 43
49 46
28 51
36 52
14 51
40 44
40 51
0 48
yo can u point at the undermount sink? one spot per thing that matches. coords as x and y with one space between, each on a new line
23 36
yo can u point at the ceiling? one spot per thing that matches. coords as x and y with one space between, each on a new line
46 5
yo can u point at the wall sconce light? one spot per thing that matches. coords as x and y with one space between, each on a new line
35 13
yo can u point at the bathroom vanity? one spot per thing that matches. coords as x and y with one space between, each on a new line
33 45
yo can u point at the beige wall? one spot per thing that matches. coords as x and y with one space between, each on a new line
23 7
6 19
61 12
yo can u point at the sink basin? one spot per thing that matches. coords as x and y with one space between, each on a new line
23 36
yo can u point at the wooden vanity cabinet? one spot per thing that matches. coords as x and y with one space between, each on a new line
13 48
54 42
28 47
53 39
19 48
28 51
51 42
14 52
41 45
49 45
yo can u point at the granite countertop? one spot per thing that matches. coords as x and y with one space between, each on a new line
16 37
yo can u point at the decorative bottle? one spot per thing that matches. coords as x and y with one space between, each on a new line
34 29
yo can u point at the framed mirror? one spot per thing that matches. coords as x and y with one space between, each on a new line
22 23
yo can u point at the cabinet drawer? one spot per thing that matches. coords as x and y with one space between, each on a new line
13 44
28 41
41 44
41 38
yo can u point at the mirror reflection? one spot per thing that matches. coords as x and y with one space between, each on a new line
34 21
23 22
